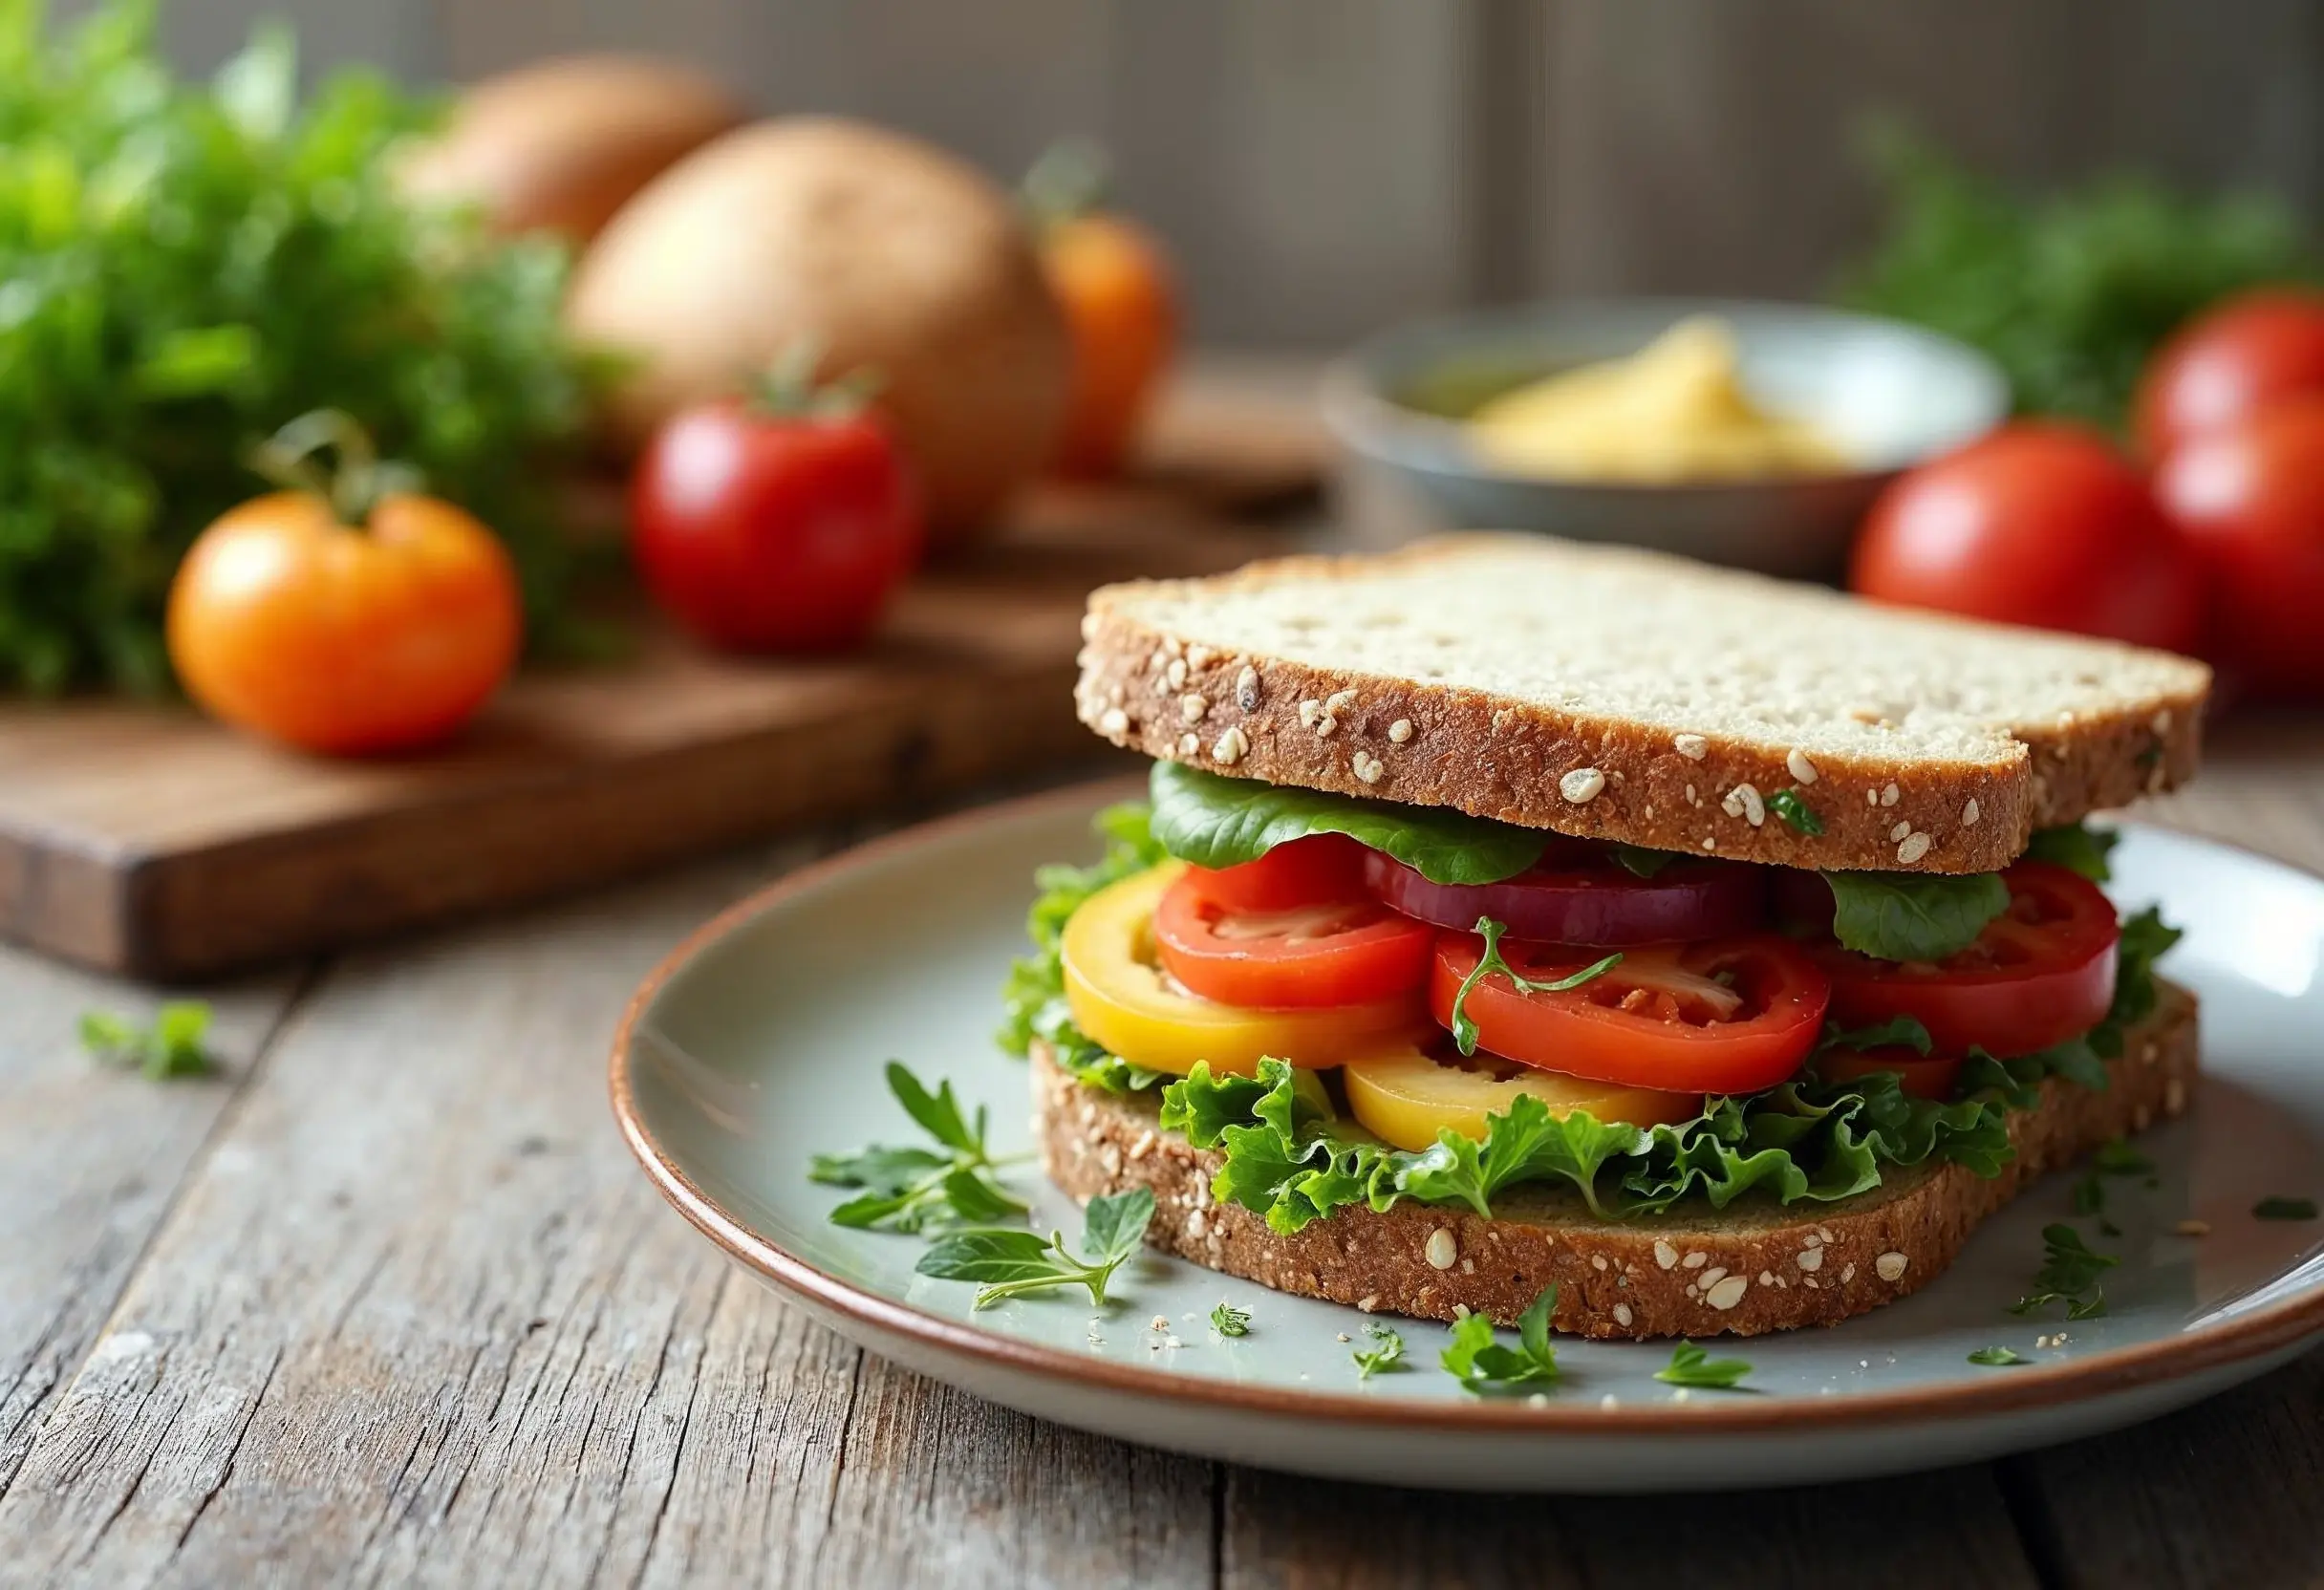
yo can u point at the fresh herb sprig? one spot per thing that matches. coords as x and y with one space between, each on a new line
1997 1358
1464 1027
2070 1274
1690 1366
1483 1364
175 1046
1229 1320
1012 1263
1387 1352
908 1190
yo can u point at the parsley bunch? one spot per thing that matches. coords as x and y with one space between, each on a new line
185 267
2070 292
909 1188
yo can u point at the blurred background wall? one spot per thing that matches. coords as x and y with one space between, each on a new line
1325 166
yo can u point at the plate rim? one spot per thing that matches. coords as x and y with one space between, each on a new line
2245 1336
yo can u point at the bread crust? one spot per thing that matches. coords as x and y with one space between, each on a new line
1654 1276
1266 717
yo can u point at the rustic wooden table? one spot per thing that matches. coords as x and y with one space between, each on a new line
388 1304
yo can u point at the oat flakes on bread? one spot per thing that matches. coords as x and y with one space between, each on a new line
1626 695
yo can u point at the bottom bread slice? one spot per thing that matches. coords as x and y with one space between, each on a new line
1693 1271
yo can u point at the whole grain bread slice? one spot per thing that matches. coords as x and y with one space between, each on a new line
1756 1266
1626 695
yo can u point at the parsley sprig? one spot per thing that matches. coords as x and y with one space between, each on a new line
1464 1029
174 1045
1012 1263
1483 1364
2276 1208
2070 1274
1997 1358
1388 1354
1229 1320
1690 1366
907 1189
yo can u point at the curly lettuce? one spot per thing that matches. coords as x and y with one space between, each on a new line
1033 999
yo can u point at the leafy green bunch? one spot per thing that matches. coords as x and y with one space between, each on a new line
184 267
2070 293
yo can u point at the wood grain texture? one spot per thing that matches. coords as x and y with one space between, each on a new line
417 1319
90 1160
147 840
1946 1531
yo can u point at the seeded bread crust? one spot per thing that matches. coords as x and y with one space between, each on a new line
1753 1267
1274 719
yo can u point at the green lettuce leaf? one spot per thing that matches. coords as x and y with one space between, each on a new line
1528 1144
1220 822
1913 916
1033 997
2077 847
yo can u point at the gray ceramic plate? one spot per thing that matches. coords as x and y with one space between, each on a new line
1891 393
761 1043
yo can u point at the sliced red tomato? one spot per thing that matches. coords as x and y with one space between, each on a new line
2042 972
1921 1076
1307 957
1302 873
1724 1016
1580 894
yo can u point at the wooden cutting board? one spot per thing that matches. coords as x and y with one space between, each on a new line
150 842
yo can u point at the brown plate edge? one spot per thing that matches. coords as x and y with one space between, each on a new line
2244 1337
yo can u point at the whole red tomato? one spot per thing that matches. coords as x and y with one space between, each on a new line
2250 499
775 525
2039 523
2243 355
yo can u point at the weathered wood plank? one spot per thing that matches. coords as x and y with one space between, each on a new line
90 1160
418 1320
942 1490
1948 1530
2227 1492
416 1316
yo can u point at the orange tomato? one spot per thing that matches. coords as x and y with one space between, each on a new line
1115 282
345 638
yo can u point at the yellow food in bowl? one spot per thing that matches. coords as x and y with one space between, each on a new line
1676 411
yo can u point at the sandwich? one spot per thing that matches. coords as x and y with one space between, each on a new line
1507 913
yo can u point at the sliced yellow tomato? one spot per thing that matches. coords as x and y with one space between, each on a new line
1121 998
1405 1096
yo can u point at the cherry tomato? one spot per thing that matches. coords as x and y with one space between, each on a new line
2040 973
1726 1016
1336 953
342 619
2038 523
2249 500
1408 1092
773 524
1305 872
1921 1076
1579 894
1120 998
2224 366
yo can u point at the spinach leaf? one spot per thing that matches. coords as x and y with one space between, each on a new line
2076 847
1913 916
1220 822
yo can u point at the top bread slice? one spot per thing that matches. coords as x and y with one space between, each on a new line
1624 695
